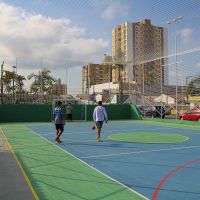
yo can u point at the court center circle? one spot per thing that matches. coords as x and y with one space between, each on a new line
149 137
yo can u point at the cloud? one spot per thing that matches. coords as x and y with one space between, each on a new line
29 35
186 35
111 8
197 66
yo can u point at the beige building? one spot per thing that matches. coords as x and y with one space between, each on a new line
141 47
93 74
59 88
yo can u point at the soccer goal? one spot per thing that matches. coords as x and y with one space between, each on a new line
83 107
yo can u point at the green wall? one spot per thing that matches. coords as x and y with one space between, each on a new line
134 114
25 113
115 112
43 112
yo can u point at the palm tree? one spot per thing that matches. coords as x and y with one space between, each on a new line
43 82
35 86
19 84
7 81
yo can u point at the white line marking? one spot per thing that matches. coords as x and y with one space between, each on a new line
138 152
79 141
112 131
114 180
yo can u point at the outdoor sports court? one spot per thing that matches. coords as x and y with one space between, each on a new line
164 167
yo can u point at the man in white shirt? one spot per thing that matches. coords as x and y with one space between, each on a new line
99 115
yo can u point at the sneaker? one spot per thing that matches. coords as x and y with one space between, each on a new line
59 141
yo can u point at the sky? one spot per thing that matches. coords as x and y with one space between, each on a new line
62 35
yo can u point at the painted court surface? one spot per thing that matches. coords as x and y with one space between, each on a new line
134 160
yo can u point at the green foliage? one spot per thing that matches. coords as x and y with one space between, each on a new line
193 88
41 79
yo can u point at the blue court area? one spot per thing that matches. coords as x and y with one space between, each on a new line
157 171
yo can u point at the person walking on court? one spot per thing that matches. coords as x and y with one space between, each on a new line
99 116
69 110
59 121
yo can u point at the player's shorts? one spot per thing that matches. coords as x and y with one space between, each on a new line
59 127
99 124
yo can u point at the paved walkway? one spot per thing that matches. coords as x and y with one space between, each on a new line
13 185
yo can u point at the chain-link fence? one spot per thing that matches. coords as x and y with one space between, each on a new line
151 65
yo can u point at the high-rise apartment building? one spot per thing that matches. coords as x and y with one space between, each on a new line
142 47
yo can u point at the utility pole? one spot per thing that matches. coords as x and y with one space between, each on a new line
2 82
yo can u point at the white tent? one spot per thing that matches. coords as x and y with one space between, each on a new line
165 99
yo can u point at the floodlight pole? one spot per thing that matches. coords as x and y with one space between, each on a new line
173 21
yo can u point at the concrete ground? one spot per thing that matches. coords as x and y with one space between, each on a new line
13 185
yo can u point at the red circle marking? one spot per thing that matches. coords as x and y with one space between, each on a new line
155 194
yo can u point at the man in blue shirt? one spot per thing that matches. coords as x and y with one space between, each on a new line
99 115
59 121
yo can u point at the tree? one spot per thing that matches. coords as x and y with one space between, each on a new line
193 88
43 82
7 81
19 84
13 83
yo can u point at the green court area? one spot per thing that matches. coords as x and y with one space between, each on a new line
55 174
149 137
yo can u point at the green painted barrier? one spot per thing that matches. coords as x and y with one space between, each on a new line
43 112
25 113
134 112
